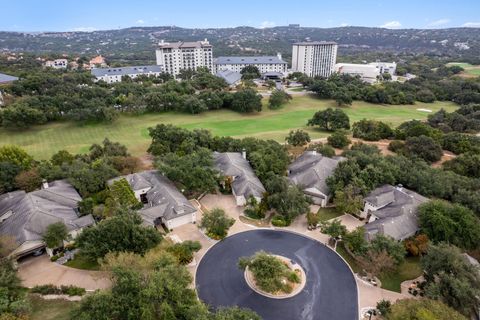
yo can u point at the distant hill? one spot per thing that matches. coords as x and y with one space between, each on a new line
139 42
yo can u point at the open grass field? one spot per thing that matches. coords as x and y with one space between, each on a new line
43 141
470 70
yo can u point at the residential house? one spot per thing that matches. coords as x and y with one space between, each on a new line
57 63
392 211
111 75
162 202
97 61
310 172
26 216
237 169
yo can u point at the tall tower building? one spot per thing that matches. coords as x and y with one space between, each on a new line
176 56
314 58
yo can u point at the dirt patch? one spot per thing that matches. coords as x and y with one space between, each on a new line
146 161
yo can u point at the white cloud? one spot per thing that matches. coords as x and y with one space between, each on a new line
344 24
140 21
391 25
438 23
267 24
84 29
471 25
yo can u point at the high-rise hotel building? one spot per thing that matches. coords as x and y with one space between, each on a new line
314 58
176 56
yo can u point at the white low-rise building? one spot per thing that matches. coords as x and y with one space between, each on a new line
112 75
368 73
263 63
57 63
385 67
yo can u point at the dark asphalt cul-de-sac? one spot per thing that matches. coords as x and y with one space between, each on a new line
329 294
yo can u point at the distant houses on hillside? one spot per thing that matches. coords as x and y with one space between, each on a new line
112 75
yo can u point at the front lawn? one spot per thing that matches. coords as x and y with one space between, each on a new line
325 214
351 262
408 270
81 262
50 309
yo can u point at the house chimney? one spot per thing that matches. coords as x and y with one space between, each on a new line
44 184
244 154
279 55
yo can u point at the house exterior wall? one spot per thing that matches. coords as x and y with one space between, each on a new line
180 221
368 207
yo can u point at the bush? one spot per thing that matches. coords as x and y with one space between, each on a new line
278 98
371 130
184 251
51 289
338 139
279 221
423 147
298 138
324 149
396 146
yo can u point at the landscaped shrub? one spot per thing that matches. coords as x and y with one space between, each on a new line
279 221
51 289
339 139
216 223
72 290
184 251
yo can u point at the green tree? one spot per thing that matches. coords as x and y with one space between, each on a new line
289 201
298 138
278 98
423 309
216 223
395 249
194 105
270 273
246 101
371 130
16 155
8 172
122 232
356 242
451 278
61 157
324 149
442 221
465 164
384 306
54 235
235 313
334 228
250 72
330 120
194 172
343 98
423 147
20 115
123 195
348 201
339 139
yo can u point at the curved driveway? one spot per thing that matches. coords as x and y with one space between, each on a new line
330 292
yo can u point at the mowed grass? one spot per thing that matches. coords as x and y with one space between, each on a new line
408 270
470 69
51 309
43 141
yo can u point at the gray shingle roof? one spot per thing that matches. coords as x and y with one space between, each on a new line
246 183
164 200
312 169
122 71
231 77
397 216
249 60
27 215
5 78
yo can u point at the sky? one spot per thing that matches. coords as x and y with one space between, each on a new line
89 15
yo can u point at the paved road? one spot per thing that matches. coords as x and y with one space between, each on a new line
330 292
